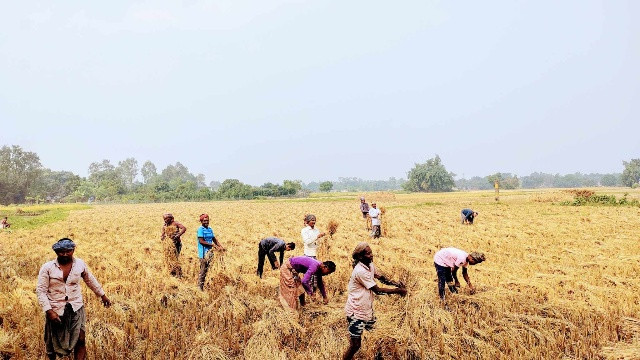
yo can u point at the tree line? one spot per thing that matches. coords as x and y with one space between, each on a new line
23 179
432 176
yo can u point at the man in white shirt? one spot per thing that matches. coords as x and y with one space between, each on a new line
310 236
374 213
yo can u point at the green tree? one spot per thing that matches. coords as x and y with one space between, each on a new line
431 176
234 189
19 170
610 180
128 170
505 180
148 171
326 186
631 173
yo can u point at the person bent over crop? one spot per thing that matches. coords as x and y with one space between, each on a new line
293 288
60 296
4 224
268 247
207 241
467 216
447 261
362 286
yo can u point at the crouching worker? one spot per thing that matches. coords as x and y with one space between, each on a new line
60 295
362 286
268 247
447 261
292 288
467 216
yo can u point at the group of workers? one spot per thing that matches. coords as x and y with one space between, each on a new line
60 296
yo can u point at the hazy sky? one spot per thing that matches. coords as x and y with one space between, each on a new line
315 90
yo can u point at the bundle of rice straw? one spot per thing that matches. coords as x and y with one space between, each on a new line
170 252
333 227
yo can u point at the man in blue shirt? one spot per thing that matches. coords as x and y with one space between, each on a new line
206 242
467 216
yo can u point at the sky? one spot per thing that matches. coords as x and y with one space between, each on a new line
264 91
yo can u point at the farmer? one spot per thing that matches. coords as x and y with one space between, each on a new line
310 236
374 213
4 224
292 288
60 295
364 208
447 262
467 216
268 247
207 241
180 229
362 286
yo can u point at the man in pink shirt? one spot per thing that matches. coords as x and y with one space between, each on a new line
60 295
362 286
447 262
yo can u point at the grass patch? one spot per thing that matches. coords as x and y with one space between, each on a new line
428 203
32 217
585 197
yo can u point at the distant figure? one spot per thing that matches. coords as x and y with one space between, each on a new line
374 213
60 296
4 224
268 247
170 223
467 216
364 208
310 236
207 241
292 288
362 286
447 261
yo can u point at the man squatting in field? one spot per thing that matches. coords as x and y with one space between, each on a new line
447 261
60 296
268 247
206 242
292 288
362 286
170 221
467 216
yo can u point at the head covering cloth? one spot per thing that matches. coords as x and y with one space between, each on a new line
63 244
204 216
358 252
309 217
477 257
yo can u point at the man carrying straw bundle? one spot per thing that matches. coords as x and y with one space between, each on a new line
268 247
169 222
60 295
206 243
447 261
292 288
310 236
362 286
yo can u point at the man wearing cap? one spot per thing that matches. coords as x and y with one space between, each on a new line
170 223
447 261
60 295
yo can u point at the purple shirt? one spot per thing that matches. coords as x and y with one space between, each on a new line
309 266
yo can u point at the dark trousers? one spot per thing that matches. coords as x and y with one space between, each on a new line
444 276
178 245
261 255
